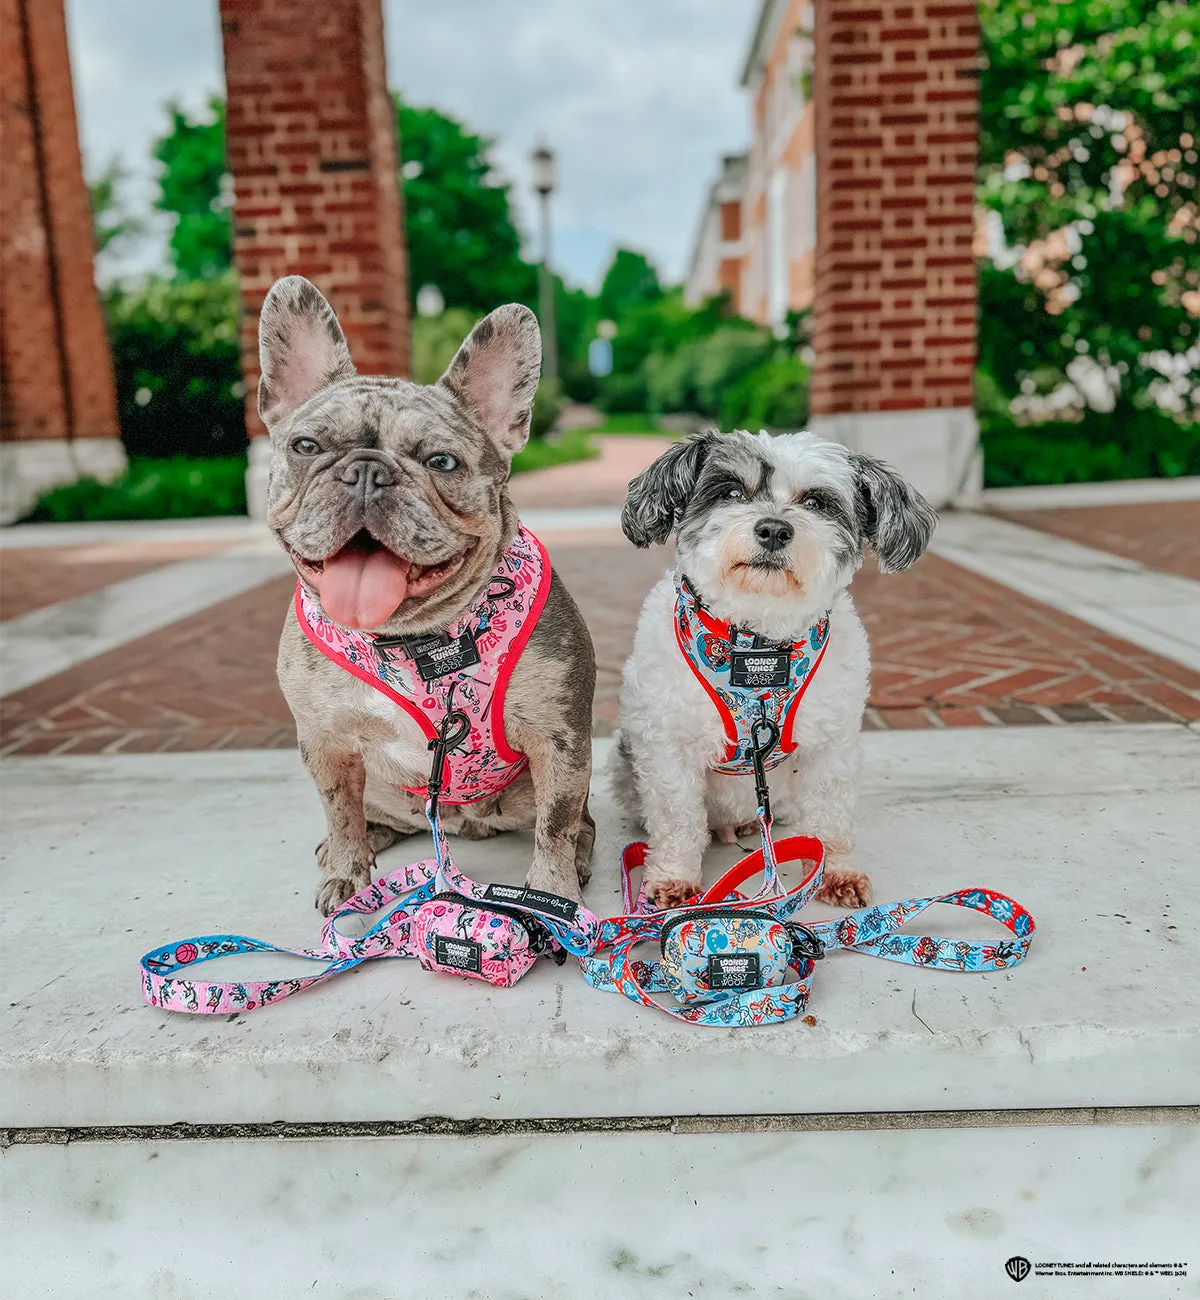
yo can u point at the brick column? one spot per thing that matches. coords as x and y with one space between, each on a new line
895 309
312 147
58 403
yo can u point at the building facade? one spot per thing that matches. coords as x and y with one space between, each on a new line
768 194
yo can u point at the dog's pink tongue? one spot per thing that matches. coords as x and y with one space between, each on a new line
361 589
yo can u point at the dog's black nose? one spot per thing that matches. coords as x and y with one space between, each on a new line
773 534
366 476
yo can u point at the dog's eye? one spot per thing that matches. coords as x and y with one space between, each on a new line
816 501
306 446
735 494
442 461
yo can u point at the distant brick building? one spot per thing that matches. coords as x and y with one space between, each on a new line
58 407
886 127
312 148
768 194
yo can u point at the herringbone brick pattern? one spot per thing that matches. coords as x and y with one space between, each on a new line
1161 535
950 649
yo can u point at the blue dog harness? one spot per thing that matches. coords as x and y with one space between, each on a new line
748 678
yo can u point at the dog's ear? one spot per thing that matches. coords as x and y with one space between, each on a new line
301 348
495 373
658 495
894 517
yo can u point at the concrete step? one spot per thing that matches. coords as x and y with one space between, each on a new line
1091 828
617 1216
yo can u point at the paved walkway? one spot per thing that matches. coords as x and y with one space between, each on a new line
990 631
599 482
1160 536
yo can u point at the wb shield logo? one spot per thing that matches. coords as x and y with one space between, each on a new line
1017 1268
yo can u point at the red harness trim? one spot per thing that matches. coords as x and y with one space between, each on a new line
720 628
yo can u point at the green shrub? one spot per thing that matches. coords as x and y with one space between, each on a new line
772 396
697 374
179 377
548 403
177 488
1141 444
435 340
624 394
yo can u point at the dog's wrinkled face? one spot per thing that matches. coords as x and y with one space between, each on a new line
771 525
390 496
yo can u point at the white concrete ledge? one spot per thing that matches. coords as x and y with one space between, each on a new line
1089 827
1122 492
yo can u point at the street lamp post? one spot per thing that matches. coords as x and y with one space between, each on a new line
543 183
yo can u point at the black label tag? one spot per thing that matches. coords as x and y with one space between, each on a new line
734 971
515 896
440 658
760 667
460 954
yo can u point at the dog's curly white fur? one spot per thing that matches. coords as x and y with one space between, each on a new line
814 504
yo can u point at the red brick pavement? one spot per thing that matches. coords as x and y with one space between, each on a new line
32 577
1161 535
950 649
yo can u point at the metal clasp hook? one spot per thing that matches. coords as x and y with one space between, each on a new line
764 736
455 727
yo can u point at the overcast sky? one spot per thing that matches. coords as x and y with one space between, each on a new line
637 98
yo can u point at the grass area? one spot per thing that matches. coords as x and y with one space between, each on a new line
559 449
627 422
178 488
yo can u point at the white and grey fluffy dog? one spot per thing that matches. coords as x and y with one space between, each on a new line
770 530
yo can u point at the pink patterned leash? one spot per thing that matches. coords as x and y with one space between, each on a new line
404 892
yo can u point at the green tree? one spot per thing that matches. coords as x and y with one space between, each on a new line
194 188
1090 126
112 224
458 219
630 281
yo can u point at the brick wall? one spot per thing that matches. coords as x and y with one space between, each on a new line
312 148
56 377
896 100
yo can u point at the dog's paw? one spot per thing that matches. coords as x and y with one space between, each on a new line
845 889
334 887
671 893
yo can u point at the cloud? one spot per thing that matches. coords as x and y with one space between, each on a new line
637 99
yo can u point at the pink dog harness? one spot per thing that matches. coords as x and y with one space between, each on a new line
472 662
751 681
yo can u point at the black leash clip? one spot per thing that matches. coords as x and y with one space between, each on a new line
764 736
805 945
455 727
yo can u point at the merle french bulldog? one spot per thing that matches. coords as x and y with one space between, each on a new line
391 500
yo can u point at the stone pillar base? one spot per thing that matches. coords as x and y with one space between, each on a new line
258 469
27 469
938 451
